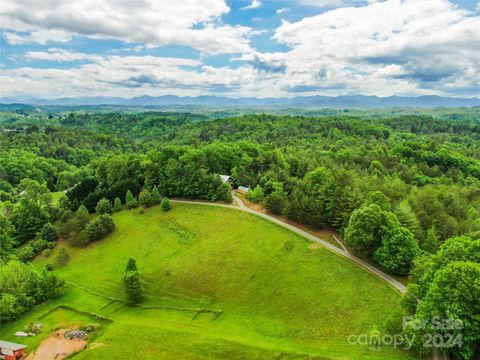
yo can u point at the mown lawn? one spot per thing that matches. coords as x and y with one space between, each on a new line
278 297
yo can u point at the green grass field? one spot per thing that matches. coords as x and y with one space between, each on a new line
220 284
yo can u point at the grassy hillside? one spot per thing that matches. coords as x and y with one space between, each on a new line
219 284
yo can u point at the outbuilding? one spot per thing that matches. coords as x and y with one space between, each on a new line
226 179
11 351
243 189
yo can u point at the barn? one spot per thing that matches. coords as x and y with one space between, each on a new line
11 351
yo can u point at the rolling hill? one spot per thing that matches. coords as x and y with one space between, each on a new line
315 101
219 284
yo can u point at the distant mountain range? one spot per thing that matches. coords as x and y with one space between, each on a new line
347 101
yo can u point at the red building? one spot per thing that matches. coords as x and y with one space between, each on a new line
11 351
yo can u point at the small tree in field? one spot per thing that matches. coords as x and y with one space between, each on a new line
165 204
133 286
145 198
104 206
130 200
131 265
62 257
117 204
156 198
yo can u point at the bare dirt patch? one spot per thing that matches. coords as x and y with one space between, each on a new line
56 347
314 246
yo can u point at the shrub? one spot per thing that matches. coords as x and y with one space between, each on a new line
26 253
78 239
104 206
99 228
165 204
141 211
39 245
256 195
48 232
62 257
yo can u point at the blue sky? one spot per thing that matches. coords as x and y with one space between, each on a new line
237 48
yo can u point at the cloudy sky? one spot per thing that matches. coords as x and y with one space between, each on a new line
236 48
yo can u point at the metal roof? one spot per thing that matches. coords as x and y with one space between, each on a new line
225 178
244 188
11 346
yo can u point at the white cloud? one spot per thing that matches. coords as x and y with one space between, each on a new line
328 3
385 48
409 47
38 36
193 23
129 76
254 5
114 75
60 55
283 10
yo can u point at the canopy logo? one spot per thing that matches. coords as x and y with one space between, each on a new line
427 333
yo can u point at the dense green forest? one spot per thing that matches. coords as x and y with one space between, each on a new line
403 190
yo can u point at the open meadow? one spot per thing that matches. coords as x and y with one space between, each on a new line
219 283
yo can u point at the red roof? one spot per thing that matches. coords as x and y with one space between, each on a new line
11 346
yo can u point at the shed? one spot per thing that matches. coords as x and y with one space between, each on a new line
11 351
226 179
243 189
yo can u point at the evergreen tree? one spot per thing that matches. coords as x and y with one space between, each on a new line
72 229
131 265
297 206
62 257
145 198
133 286
104 206
432 240
117 204
99 227
6 239
156 198
165 204
82 216
344 203
276 202
407 218
130 200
